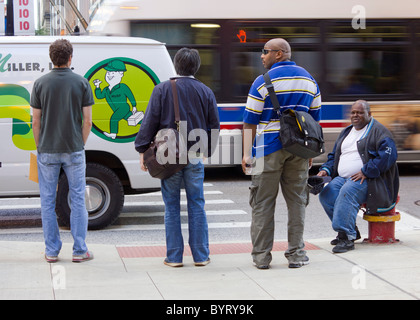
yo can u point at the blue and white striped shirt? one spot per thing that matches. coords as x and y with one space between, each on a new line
295 89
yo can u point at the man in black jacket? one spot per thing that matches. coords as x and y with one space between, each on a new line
363 168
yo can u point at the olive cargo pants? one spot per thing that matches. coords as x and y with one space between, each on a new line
283 169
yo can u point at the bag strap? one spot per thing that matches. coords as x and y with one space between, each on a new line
176 103
272 93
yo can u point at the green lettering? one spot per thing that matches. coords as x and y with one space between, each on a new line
3 62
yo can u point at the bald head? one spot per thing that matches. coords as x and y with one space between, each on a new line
279 50
280 44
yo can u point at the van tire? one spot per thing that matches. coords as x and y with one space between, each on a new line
105 202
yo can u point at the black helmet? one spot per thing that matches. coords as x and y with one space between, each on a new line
316 183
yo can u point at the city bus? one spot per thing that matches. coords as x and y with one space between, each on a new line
366 49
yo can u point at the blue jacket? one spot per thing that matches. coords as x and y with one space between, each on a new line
379 155
197 107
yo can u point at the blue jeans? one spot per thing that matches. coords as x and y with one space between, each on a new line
341 200
49 166
192 177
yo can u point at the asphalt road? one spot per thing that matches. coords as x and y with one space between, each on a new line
226 192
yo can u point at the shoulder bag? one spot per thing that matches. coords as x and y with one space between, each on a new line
300 134
167 153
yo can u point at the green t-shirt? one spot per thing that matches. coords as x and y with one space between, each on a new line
61 95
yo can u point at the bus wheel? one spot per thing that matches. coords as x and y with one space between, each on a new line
104 197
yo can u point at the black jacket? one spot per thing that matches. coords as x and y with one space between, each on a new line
379 155
198 110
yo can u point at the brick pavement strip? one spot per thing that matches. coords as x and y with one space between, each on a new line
218 248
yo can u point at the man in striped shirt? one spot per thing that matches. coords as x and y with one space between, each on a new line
295 89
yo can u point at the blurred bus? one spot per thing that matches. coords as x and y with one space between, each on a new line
376 59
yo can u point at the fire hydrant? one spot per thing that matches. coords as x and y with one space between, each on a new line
382 226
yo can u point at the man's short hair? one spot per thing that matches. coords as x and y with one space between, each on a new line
187 62
60 52
364 104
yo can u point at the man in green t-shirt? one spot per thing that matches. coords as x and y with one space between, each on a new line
62 119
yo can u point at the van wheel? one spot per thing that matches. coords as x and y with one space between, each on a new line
104 197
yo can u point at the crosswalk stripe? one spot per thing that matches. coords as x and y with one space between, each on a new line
183 213
126 203
159 193
183 202
137 200
154 227
21 206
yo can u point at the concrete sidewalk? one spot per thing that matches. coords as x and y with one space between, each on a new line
383 272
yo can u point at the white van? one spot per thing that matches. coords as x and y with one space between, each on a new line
112 163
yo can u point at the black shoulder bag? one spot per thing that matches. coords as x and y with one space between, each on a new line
300 134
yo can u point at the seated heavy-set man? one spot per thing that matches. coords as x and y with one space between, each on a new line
363 167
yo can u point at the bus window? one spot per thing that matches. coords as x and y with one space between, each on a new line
251 33
247 65
177 33
209 72
202 36
374 60
310 60
367 71
249 38
345 33
417 55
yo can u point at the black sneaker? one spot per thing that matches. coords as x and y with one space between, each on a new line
334 242
344 244
298 264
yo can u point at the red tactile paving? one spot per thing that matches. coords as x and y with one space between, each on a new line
225 248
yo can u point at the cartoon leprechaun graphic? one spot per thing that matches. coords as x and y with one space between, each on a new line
117 95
